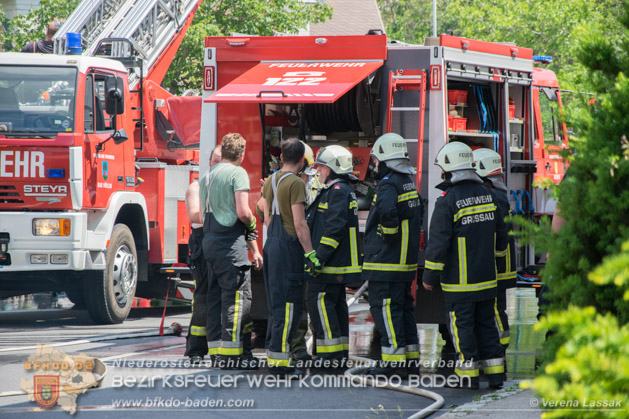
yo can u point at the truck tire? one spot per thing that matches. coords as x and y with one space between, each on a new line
109 293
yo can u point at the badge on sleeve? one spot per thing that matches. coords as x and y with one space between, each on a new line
337 186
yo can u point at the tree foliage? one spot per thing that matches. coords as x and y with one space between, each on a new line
213 18
548 27
23 29
224 17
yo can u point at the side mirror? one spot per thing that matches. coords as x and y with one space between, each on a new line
120 136
114 98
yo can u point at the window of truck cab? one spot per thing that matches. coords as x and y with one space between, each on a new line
549 108
37 100
95 117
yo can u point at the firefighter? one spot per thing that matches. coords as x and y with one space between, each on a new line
287 243
333 223
196 341
229 229
467 233
391 246
489 168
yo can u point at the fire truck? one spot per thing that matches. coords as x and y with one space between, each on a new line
349 90
95 158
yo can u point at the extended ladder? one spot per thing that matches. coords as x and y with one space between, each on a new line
409 80
126 28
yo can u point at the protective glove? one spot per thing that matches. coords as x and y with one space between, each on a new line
251 233
388 238
312 266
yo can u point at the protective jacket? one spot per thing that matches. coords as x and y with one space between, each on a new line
467 233
393 230
333 223
505 266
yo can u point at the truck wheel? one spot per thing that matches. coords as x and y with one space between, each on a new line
109 293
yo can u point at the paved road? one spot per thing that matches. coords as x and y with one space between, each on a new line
170 385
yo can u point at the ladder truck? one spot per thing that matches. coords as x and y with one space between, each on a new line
95 158
349 90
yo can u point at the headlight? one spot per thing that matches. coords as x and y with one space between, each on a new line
51 227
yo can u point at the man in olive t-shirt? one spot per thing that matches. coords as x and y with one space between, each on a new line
290 192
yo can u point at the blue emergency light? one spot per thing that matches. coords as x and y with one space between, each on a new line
73 43
55 173
545 59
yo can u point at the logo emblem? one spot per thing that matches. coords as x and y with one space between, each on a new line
105 170
46 390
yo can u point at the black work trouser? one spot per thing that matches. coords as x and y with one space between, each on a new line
392 308
329 315
196 341
502 319
475 337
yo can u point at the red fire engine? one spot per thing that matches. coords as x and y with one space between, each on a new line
348 90
95 158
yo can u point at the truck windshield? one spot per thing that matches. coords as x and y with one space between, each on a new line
36 101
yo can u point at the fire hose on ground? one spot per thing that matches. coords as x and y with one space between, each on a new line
357 374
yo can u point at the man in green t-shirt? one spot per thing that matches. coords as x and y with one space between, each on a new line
228 230
288 238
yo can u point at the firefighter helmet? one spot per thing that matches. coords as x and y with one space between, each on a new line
455 156
337 158
488 162
390 147
308 154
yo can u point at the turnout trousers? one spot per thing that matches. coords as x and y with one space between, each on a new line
196 341
502 320
229 288
284 281
392 308
329 316
475 338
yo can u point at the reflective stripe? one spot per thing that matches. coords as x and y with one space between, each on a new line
407 196
394 267
508 260
435 266
388 322
404 248
393 354
455 335
373 202
501 253
462 261
345 340
197 331
476 209
330 242
353 248
288 319
466 373
502 333
471 287
237 319
507 275
230 348
353 205
247 328
389 230
341 269
323 315
213 347
278 359
494 370
323 205
412 351
329 345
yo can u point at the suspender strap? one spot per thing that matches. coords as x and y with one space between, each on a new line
275 207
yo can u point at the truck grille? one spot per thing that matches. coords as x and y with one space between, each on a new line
9 195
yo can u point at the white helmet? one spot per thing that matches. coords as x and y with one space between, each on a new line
390 147
455 156
488 162
337 158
